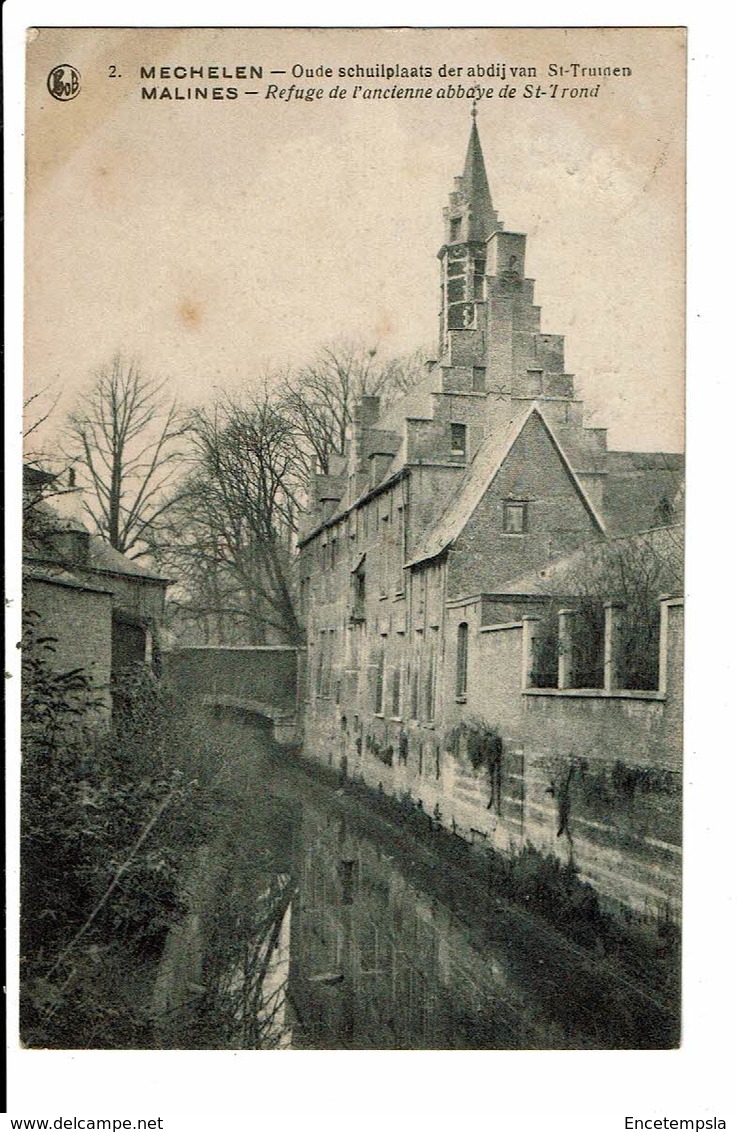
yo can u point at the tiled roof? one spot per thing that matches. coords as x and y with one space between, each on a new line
101 555
556 576
642 490
58 576
104 557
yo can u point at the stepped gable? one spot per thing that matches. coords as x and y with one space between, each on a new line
493 364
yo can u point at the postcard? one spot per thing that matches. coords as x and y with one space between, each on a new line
353 539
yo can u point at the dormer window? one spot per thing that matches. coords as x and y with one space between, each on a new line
458 440
515 517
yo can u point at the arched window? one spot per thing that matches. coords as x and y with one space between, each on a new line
462 661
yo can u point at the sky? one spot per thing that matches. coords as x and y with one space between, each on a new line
216 241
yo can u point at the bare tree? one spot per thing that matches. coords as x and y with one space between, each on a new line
231 535
635 570
37 408
41 484
319 398
127 440
230 539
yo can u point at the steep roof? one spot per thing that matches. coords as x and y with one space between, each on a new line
102 556
59 576
36 477
557 576
482 471
642 489
483 220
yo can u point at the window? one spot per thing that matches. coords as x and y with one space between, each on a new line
379 695
327 667
515 518
479 271
456 290
385 558
430 688
536 380
414 697
458 440
455 229
479 379
462 661
396 691
320 665
347 881
399 554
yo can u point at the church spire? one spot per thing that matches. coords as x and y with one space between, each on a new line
470 222
483 220
470 216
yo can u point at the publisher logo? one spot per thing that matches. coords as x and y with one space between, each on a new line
63 82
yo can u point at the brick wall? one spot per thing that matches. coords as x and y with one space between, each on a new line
268 675
81 622
614 757
484 556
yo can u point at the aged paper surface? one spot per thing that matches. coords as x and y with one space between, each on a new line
234 214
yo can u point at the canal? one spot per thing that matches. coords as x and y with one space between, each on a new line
315 922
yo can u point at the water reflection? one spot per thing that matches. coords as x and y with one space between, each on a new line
308 929
376 963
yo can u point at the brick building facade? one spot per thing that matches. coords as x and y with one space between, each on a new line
103 611
484 473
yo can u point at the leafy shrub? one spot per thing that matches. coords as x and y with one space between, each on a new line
107 821
483 747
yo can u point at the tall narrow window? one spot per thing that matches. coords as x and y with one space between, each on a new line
347 881
358 591
327 672
320 666
379 696
479 271
430 688
462 661
399 554
396 691
458 440
386 551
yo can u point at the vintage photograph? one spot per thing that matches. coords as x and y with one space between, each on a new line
353 538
